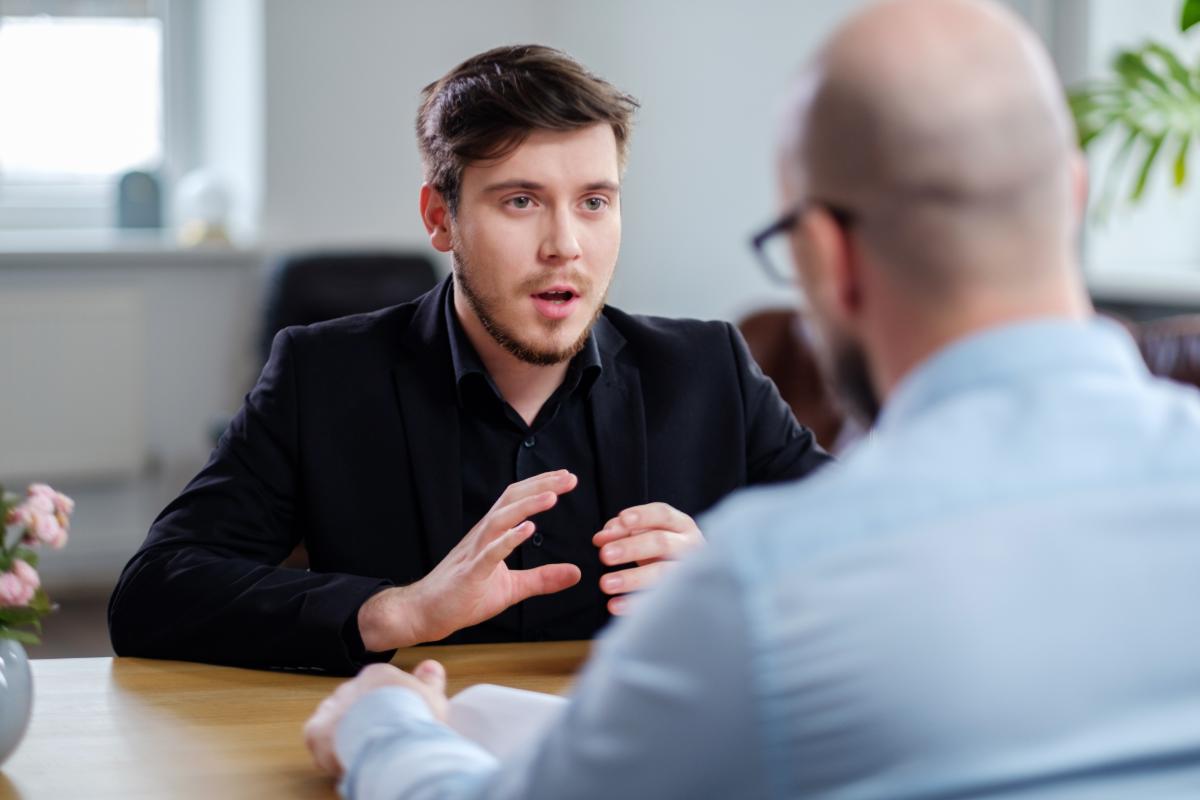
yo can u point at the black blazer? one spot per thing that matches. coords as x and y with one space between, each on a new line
349 443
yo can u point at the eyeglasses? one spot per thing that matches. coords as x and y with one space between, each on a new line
777 263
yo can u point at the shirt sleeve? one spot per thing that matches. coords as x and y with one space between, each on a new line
665 708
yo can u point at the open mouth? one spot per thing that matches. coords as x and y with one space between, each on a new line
557 297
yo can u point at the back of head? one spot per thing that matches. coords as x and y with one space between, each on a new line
941 123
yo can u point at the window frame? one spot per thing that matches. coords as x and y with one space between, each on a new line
47 207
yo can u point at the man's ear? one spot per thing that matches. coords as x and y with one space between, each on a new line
834 264
436 216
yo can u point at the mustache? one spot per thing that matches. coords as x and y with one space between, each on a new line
534 285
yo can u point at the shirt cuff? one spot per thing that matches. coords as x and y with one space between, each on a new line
385 710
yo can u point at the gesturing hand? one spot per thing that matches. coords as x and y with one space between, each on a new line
651 536
472 583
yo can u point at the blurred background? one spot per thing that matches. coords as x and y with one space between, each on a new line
161 159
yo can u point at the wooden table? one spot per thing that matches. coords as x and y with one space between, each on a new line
140 728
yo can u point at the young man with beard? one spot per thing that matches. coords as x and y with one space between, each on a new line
570 442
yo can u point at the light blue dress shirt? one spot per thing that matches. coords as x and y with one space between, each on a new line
996 594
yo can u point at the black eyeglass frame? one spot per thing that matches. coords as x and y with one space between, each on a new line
844 217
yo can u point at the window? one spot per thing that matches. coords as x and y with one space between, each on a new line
81 103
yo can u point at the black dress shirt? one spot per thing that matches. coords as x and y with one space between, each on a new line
498 448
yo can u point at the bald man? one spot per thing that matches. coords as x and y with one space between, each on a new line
996 594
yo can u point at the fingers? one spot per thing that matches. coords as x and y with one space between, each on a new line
431 673
634 579
610 533
644 546
620 606
547 579
560 481
500 521
318 737
501 548
644 517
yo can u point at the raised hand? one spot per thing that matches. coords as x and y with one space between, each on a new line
472 583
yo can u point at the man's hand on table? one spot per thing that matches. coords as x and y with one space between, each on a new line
472 583
651 536
428 680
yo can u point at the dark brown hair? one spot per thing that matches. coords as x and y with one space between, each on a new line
485 107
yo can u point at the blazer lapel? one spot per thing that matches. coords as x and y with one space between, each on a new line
619 419
429 414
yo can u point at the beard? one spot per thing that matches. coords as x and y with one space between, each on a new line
843 364
489 311
852 383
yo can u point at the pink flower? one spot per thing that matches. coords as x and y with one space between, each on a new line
13 590
63 505
26 574
45 515
46 528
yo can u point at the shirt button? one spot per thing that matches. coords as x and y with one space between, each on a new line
536 540
531 441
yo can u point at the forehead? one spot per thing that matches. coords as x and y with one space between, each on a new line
562 159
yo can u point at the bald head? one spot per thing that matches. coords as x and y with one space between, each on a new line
942 123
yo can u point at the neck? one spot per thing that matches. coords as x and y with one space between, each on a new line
524 386
912 333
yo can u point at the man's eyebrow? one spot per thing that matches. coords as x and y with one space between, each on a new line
515 183
533 186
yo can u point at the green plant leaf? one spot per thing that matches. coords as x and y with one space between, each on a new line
1139 186
1175 68
1152 100
1131 66
1181 161
1190 15
20 615
41 602
25 637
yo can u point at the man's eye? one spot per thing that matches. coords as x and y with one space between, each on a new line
595 203
521 202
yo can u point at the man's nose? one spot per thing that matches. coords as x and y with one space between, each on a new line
560 242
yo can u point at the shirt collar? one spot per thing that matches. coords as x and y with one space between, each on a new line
583 371
1010 353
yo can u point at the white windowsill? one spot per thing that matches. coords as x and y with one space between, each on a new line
1152 286
109 246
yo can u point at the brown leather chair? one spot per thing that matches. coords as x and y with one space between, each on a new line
779 341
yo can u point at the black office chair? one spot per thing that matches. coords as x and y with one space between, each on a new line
303 288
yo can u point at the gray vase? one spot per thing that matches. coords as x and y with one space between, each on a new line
16 696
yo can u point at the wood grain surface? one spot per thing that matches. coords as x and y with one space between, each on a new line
140 728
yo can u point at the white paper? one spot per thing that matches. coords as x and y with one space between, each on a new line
501 719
